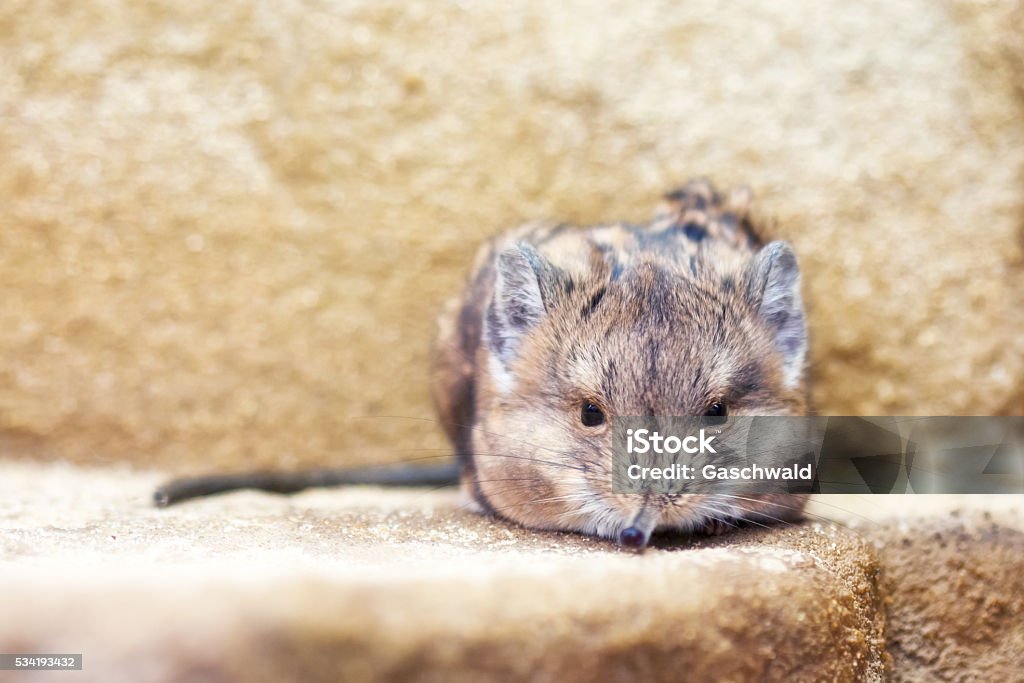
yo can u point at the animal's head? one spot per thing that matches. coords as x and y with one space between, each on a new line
566 348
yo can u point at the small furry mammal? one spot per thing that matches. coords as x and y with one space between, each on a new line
560 328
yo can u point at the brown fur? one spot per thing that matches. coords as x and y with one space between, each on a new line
660 319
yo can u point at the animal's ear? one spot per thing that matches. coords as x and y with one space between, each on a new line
774 289
521 282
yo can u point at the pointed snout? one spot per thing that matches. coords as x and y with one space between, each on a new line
634 538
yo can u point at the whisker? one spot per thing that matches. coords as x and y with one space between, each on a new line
799 508
755 511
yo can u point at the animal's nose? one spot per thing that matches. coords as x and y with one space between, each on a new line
632 537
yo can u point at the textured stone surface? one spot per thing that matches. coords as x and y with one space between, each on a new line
361 584
953 569
225 229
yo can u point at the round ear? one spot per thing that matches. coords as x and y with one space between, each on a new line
518 303
774 289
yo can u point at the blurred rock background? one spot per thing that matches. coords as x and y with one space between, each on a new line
226 228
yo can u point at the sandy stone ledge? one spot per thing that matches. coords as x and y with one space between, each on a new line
364 584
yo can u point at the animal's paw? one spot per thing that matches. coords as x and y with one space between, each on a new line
717 527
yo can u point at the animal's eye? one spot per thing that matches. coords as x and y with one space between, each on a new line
716 409
591 415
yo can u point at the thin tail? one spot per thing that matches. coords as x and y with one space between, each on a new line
179 490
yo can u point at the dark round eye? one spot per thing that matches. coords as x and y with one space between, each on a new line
716 409
591 415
